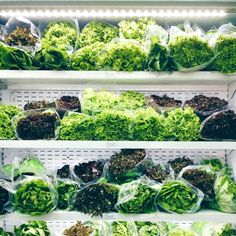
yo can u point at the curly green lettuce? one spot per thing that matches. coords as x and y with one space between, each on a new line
112 125
148 125
77 126
190 51
121 228
181 125
136 29
124 55
61 35
85 58
131 100
97 32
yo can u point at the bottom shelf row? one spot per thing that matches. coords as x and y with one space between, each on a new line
114 228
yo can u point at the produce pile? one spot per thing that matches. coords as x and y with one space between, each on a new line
131 45
130 115
128 182
122 228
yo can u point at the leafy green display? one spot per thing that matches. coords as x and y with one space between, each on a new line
61 35
97 32
94 102
13 58
190 51
6 114
85 58
177 196
33 228
121 228
96 199
181 125
4 233
148 125
181 232
136 29
137 197
226 54
151 229
77 126
131 100
225 191
125 55
35 197
52 58
113 125
66 191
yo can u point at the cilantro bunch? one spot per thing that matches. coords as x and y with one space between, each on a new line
124 55
97 32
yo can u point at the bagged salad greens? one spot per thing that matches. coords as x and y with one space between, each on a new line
96 199
180 197
122 167
190 49
35 196
85 58
66 190
121 228
135 29
32 228
138 196
181 232
95 32
148 125
122 55
151 228
77 126
7 112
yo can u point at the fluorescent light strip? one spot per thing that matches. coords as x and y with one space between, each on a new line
110 13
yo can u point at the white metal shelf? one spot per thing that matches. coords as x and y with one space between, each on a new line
203 215
18 78
50 144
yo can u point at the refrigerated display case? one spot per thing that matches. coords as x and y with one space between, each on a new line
21 86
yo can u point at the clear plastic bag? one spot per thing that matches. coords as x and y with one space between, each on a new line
179 196
122 167
219 126
34 196
37 124
157 172
190 42
21 33
147 228
90 171
6 190
138 196
66 190
202 177
121 228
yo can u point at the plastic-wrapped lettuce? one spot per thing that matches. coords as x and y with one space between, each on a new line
123 228
181 125
151 229
62 35
13 58
190 50
32 228
206 228
85 58
148 125
6 114
97 32
35 196
123 55
138 196
77 126
181 232
135 29
225 192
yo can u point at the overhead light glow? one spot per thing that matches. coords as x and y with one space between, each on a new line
111 13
